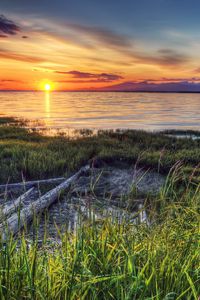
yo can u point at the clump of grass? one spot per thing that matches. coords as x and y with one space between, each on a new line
6 120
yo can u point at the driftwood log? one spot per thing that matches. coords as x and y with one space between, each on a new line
10 208
19 220
29 184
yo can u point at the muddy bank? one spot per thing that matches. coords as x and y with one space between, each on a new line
101 192
117 179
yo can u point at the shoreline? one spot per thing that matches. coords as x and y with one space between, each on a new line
39 127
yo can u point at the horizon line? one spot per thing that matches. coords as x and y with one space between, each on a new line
102 91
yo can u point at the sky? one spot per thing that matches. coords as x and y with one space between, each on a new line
100 45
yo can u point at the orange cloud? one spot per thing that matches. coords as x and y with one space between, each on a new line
20 57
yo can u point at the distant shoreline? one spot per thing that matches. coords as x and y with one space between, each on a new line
101 91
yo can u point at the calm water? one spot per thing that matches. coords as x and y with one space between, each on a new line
105 110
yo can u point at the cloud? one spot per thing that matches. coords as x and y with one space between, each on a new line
163 57
126 46
105 36
86 37
169 56
165 79
5 54
84 81
11 80
93 77
197 70
96 38
95 44
8 27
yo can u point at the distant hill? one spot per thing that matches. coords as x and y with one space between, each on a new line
145 86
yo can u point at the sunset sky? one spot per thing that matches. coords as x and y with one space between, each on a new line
107 44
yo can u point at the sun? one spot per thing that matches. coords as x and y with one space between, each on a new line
47 86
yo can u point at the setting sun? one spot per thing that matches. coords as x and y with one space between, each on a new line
47 87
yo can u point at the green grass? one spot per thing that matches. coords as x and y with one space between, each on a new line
32 156
106 260
112 261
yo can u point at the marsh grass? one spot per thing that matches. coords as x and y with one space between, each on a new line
112 259
33 156
106 260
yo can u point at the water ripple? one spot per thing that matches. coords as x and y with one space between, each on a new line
153 111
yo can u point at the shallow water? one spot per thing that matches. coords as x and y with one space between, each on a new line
149 111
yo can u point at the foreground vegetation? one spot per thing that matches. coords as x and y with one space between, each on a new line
106 260
112 261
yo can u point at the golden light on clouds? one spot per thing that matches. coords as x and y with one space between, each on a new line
52 58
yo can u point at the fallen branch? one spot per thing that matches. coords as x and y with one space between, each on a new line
17 221
29 184
12 207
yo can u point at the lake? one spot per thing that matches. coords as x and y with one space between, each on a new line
148 111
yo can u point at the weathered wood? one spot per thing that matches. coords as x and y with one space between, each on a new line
9 208
142 217
16 221
29 184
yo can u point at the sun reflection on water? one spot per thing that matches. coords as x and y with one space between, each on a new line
47 105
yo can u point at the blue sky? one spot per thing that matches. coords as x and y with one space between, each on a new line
141 17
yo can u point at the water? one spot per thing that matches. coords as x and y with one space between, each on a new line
149 111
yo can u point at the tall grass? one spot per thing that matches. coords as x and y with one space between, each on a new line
109 260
